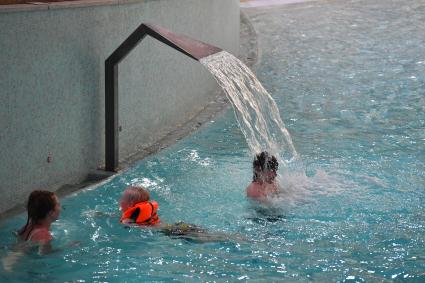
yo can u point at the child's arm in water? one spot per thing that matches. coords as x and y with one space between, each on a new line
127 221
42 238
44 241
41 241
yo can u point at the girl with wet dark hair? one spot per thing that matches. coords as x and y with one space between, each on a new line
264 176
263 163
43 208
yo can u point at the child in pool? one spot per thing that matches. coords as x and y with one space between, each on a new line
264 182
137 208
43 209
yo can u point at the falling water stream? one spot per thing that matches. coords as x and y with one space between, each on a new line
255 110
259 119
348 79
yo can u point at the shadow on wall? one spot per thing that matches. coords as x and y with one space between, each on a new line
91 129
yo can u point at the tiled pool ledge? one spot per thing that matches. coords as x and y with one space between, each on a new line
262 3
37 6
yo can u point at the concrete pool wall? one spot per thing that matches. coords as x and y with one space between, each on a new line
52 83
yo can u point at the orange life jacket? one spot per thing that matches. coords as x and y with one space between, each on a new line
147 213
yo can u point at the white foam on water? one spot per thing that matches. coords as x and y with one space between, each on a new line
296 188
259 120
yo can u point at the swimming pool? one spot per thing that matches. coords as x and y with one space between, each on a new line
349 79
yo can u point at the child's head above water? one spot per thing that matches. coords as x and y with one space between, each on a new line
137 208
43 207
42 204
264 167
133 195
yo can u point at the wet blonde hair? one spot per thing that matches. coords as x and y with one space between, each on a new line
135 194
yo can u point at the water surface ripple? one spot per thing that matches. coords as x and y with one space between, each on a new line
349 81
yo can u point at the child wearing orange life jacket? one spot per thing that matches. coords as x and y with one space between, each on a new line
137 208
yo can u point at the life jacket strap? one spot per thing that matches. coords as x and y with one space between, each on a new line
153 214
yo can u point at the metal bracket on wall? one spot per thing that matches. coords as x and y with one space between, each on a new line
186 45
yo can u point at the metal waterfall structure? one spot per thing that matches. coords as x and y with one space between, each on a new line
191 47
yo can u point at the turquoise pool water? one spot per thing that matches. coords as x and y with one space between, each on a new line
349 79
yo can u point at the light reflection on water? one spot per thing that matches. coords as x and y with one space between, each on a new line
350 84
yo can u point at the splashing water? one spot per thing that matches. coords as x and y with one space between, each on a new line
259 120
255 110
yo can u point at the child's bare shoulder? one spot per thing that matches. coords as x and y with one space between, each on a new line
41 235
